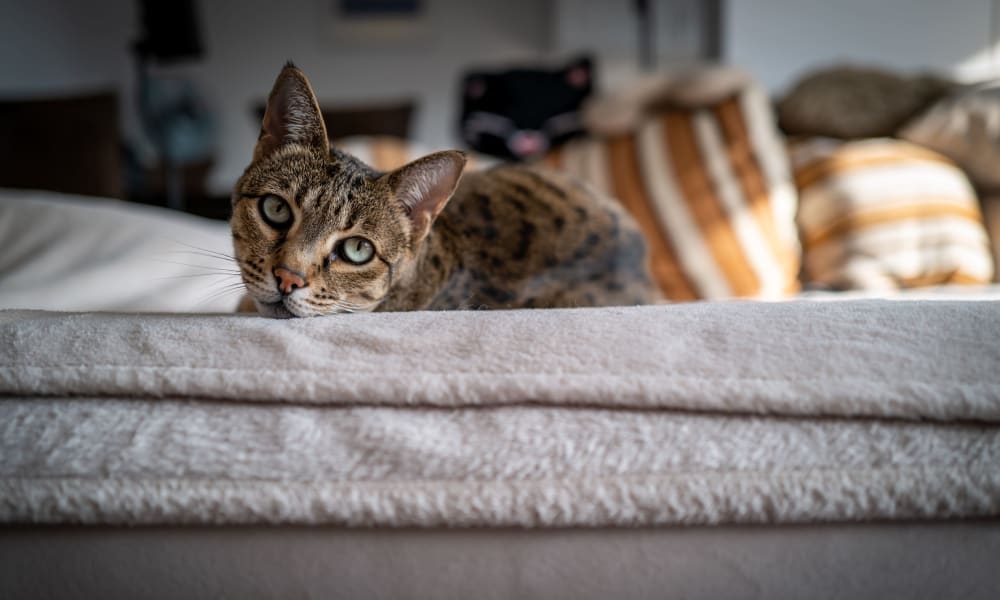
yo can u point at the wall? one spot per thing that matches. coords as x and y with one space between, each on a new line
63 46
778 40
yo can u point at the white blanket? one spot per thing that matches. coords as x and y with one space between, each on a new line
701 413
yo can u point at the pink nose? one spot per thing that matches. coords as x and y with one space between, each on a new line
289 280
527 143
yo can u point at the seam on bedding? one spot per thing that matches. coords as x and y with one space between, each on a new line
588 375
983 467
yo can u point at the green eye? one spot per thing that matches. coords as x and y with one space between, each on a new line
356 250
276 212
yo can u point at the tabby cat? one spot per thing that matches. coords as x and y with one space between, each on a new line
316 231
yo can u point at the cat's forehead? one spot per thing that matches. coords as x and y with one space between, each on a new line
300 176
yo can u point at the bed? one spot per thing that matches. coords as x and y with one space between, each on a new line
154 444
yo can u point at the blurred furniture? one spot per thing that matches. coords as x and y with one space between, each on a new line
387 118
174 118
192 185
68 144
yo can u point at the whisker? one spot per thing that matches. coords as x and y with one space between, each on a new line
206 251
228 290
196 266
190 275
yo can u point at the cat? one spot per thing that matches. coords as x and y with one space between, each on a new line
520 113
316 231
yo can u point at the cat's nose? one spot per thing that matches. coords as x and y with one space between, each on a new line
289 280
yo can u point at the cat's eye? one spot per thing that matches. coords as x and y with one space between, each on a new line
356 250
276 212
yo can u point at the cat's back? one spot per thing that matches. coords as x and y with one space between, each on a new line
534 237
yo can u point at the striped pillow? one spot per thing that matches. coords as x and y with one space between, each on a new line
886 214
991 211
710 185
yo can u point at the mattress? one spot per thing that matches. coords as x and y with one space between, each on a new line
911 560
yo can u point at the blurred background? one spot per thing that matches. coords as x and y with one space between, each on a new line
159 102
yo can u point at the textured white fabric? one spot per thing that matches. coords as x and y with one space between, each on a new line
852 358
701 413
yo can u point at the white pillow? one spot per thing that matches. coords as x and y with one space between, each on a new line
77 253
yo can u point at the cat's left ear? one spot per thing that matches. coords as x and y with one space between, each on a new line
292 116
425 185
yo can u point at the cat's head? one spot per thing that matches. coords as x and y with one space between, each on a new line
315 230
521 113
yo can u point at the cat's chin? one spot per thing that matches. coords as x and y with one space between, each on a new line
274 310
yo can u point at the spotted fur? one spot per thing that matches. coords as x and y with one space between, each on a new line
510 237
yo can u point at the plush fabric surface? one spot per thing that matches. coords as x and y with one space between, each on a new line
707 178
965 127
883 214
701 413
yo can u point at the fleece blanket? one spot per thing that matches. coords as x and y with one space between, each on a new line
702 413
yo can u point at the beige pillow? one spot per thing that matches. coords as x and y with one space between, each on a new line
854 102
965 127
884 214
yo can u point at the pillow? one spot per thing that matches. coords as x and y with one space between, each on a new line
991 213
884 214
69 252
707 178
965 127
856 102
519 113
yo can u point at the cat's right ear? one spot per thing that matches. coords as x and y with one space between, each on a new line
292 116
424 186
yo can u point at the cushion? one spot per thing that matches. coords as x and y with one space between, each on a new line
851 102
707 178
885 214
70 252
965 127
991 213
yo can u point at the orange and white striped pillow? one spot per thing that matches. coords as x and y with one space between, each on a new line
711 188
991 213
886 214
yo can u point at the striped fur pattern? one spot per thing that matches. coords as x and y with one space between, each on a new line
884 214
711 188
509 237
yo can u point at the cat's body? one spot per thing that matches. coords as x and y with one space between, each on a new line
518 237
316 231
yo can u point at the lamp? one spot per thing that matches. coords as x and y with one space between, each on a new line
175 123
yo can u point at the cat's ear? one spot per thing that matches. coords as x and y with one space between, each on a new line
425 185
292 116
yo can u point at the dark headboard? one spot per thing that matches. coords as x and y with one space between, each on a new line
391 118
67 144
